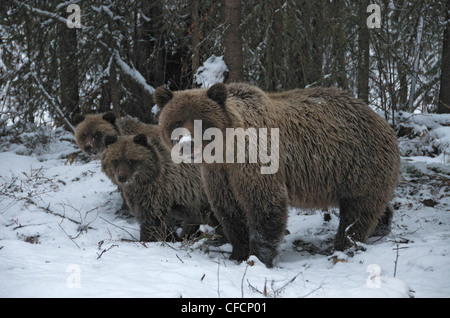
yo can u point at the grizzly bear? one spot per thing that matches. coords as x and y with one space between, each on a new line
333 150
92 129
158 192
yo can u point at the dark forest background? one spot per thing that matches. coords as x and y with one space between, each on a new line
125 49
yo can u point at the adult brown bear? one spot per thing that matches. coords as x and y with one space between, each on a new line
333 151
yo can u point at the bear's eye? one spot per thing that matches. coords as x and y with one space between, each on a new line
98 135
132 162
176 125
115 163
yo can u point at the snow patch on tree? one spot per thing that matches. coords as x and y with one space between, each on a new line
212 72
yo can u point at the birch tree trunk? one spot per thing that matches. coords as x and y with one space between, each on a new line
416 65
444 94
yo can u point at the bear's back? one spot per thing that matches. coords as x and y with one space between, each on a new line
329 141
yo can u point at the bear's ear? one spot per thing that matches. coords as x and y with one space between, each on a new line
77 119
218 93
109 140
141 140
162 96
110 118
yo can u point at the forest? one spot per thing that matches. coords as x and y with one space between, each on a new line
56 61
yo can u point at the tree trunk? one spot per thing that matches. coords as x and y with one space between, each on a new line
233 40
363 49
338 44
416 65
444 95
317 42
274 57
150 52
68 71
195 29
115 90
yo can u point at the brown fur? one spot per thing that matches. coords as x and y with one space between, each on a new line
91 132
157 191
334 151
94 128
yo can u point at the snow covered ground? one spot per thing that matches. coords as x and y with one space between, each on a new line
60 237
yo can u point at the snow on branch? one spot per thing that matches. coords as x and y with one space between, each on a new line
44 13
108 12
212 72
53 102
133 73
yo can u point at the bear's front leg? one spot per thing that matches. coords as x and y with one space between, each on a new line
264 200
124 211
147 232
155 229
227 211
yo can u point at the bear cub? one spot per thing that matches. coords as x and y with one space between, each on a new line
92 129
158 192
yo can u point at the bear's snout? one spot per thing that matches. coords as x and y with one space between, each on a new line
122 178
122 172
88 149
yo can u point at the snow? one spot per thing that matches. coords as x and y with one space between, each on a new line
186 140
50 14
133 73
60 237
155 110
212 72
430 136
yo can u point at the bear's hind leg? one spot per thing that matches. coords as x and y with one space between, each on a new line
357 220
385 223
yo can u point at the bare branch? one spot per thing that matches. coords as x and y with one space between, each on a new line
47 14
52 101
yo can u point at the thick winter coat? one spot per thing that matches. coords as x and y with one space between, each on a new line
158 191
333 151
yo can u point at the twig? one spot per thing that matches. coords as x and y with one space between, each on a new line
119 228
59 224
314 290
106 250
218 279
276 292
279 290
47 210
179 259
44 13
254 289
163 242
53 102
396 260
242 282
